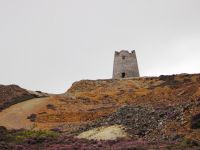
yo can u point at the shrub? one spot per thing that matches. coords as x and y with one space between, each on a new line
32 117
189 143
195 122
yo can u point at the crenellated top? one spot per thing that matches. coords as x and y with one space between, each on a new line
124 52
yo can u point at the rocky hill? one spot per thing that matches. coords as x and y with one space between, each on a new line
134 113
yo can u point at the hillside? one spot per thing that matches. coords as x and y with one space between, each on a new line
158 112
13 94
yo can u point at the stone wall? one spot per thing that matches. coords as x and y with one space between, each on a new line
125 65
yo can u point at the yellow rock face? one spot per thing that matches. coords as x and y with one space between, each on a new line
105 133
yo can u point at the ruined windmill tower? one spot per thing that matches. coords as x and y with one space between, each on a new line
125 65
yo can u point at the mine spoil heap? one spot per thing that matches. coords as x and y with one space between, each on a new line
153 112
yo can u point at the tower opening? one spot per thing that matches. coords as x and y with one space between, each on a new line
123 75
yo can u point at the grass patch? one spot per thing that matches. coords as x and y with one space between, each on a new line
26 134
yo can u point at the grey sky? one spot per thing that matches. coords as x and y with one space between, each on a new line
48 44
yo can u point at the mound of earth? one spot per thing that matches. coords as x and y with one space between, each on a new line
13 94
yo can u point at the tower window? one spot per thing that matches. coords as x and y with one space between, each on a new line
123 57
123 75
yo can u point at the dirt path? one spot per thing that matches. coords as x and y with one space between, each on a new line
15 117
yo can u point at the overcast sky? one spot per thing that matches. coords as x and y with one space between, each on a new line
49 44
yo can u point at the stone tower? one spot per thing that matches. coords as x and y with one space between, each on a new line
125 65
